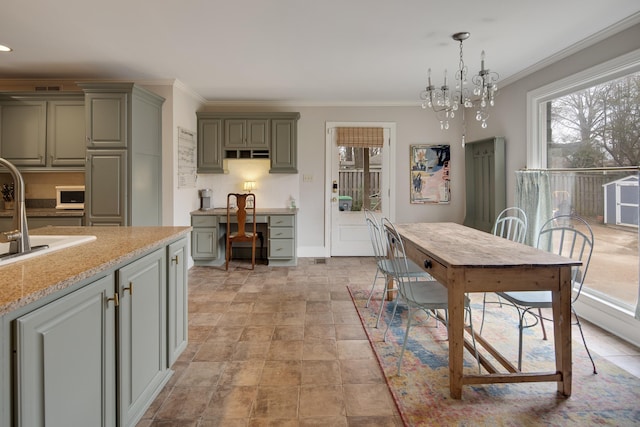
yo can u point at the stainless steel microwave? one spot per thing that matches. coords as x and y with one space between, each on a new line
70 197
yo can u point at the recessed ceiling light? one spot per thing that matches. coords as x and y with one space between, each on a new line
4 48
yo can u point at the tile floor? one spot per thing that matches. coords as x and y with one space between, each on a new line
285 347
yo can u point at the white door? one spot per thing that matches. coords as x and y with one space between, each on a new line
349 235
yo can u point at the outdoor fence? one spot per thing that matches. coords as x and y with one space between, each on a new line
351 183
581 192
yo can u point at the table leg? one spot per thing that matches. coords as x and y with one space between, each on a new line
456 333
562 330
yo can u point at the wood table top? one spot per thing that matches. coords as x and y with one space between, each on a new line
455 245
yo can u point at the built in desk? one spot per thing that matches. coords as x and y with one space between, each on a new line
277 228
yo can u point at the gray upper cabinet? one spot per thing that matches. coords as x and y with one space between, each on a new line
43 131
247 136
66 133
485 182
106 120
283 146
210 146
123 178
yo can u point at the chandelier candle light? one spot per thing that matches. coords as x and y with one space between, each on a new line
445 104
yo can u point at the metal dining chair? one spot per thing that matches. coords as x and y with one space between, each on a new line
510 224
418 294
384 267
568 236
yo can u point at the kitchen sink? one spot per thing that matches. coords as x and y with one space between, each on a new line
41 245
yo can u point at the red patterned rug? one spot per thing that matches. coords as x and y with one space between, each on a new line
421 391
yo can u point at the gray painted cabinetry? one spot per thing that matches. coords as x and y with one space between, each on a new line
485 182
209 229
178 322
66 365
73 369
204 237
123 176
43 131
247 135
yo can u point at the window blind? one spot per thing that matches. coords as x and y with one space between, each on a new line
360 137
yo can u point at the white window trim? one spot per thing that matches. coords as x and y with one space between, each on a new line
536 99
610 317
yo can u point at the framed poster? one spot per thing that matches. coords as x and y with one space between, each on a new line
429 166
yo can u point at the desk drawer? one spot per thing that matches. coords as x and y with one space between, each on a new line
281 221
260 219
281 233
281 248
204 220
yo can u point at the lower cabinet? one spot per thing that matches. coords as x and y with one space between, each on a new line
142 334
66 369
204 237
100 355
178 322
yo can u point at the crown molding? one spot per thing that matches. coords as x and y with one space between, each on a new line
610 31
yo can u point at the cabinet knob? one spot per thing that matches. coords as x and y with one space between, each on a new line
116 301
427 263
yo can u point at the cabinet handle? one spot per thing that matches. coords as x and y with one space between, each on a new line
115 300
175 259
88 139
129 288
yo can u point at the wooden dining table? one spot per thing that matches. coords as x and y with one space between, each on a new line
469 260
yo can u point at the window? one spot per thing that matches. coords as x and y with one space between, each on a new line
584 131
596 127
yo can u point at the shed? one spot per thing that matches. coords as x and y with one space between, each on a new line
621 200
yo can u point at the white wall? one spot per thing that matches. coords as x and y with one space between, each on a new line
414 126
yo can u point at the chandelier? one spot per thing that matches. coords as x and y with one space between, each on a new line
445 102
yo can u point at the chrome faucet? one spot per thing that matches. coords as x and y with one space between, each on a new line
19 236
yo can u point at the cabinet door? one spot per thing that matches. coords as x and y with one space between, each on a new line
258 134
105 182
23 126
142 334
66 133
248 134
210 146
177 298
485 182
283 153
106 120
235 133
66 360
204 243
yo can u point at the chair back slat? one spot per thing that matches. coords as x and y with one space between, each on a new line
571 237
511 224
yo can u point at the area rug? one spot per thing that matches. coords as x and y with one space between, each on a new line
421 391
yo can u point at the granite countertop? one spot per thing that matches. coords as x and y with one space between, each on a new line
259 211
42 212
23 282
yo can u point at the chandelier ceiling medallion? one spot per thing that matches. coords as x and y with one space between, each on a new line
445 102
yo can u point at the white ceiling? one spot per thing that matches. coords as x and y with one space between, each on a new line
298 51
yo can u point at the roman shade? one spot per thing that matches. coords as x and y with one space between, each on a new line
360 137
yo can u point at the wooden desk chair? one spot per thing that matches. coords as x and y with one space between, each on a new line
246 205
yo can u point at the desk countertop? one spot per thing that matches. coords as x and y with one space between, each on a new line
259 211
